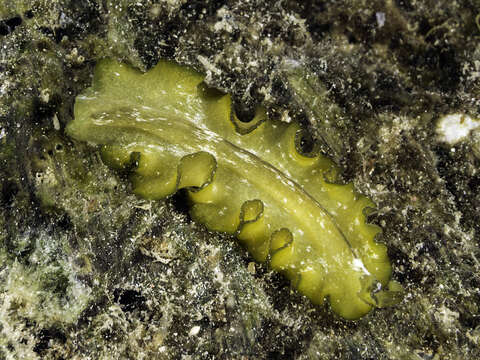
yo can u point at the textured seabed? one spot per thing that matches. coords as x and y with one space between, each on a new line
89 271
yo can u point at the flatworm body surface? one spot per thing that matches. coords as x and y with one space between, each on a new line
245 178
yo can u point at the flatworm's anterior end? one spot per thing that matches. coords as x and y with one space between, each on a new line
250 179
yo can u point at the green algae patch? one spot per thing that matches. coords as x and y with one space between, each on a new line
248 179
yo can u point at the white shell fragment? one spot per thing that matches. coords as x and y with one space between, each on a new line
454 127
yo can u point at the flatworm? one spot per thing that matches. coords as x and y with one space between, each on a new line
245 178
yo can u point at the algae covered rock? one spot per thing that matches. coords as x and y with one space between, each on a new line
90 270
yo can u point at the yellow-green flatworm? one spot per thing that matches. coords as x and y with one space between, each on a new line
246 179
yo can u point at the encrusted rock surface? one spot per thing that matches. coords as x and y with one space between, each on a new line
89 271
